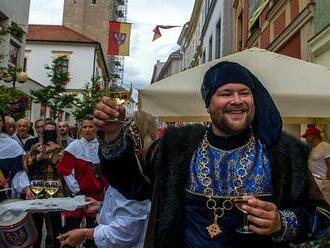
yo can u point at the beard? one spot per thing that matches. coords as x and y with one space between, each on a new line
63 132
227 126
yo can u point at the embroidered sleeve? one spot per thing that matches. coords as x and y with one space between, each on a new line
112 150
290 226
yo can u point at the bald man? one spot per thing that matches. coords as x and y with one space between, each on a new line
22 128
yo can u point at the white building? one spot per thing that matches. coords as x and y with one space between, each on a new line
216 32
83 57
189 39
170 67
157 69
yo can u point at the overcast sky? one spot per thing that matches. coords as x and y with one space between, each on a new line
144 15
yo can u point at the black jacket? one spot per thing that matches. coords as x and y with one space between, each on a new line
293 185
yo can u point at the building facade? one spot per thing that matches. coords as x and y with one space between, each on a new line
216 32
171 66
14 12
320 42
320 47
157 69
190 38
189 53
83 57
282 26
287 27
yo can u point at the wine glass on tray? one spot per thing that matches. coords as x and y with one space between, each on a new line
51 187
37 186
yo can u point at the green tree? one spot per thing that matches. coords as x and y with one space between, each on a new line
89 98
55 95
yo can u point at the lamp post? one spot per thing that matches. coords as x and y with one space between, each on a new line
13 75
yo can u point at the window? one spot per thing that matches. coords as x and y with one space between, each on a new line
240 32
93 1
64 64
13 53
26 58
67 117
210 48
43 111
218 40
24 64
60 115
203 58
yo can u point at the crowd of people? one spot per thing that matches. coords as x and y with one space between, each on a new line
177 186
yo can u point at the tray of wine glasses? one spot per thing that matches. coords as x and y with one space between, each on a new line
44 205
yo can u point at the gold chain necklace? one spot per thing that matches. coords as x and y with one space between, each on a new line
218 211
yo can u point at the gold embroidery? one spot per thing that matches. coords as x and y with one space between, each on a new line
214 229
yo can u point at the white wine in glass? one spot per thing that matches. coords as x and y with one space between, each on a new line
37 186
51 187
119 94
120 97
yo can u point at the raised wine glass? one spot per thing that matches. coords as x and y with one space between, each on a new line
239 202
51 187
37 186
120 93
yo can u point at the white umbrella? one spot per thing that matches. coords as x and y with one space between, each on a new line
299 88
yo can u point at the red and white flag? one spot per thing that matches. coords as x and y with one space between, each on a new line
119 38
157 33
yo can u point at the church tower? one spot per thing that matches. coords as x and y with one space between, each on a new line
91 18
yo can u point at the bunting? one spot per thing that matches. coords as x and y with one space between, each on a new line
119 38
157 33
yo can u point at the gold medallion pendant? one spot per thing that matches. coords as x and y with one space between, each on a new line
214 230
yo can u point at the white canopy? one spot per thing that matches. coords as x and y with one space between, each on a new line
299 88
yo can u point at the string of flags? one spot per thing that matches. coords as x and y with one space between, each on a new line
157 33
120 34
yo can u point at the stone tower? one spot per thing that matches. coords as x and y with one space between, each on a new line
91 18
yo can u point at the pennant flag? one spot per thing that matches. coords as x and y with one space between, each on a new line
119 38
157 33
